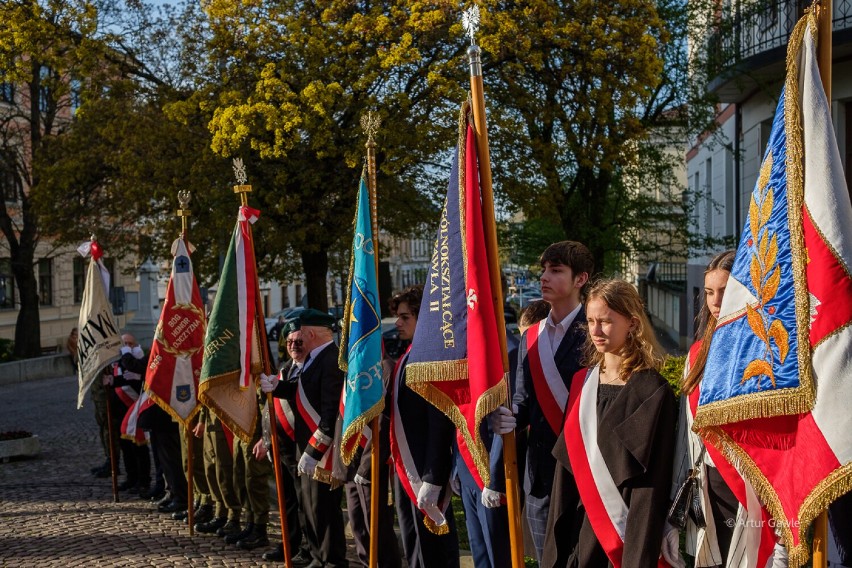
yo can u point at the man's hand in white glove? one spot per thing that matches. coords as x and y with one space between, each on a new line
361 480
428 496
125 350
268 382
307 465
671 547
502 421
491 499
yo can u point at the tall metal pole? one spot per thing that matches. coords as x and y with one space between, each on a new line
477 92
824 40
183 213
243 190
370 123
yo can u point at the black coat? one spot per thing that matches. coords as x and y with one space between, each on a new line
322 383
540 461
636 438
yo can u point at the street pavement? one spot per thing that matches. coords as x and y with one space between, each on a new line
54 512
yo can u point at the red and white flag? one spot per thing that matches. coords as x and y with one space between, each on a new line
176 354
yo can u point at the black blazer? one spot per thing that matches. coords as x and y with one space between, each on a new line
322 382
636 439
540 461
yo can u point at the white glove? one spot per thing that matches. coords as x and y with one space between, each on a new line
307 465
671 547
779 556
502 421
361 480
268 382
491 499
125 350
428 496
455 484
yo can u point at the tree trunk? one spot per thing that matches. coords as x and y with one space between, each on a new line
28 326
315 265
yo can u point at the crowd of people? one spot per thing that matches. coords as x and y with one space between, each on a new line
602 447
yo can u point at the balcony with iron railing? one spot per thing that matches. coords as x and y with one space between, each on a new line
748 45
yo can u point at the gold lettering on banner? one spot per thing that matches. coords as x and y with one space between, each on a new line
440 282
217 343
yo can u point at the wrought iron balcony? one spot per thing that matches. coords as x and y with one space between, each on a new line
749 43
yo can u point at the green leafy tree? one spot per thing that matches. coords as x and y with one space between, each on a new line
574 89
296 77
49 55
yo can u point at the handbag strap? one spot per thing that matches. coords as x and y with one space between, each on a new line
695 467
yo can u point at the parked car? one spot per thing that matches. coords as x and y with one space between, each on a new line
272 320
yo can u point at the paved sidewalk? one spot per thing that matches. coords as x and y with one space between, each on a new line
53 512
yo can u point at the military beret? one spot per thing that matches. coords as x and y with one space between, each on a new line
290 327
317 318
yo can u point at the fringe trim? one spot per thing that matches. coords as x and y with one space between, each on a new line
325 476
436 371
435 528
462 147
343 353
492 398
355 428
133 439
828 490
171 411
223 415
754 405
795 201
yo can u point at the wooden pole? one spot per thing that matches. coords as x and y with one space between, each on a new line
510 465
824 62
190 482
370 125
113 466
244 190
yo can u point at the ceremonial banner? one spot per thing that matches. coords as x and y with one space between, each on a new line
130 425
361 339
455 360
176 354
778 381
100 343
231 345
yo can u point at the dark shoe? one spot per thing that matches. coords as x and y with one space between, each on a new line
171 507
229 528
274 555
128 485
235 538
203 514
166 498
144 491
180 515
157 492
211 526
105 472
255 539
98 468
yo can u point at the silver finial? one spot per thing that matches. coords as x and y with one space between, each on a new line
470 22
370 124
183 198
240 171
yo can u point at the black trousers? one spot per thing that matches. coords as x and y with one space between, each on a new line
423 548
840 522
165 436
323 522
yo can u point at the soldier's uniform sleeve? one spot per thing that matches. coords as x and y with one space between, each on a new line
331 389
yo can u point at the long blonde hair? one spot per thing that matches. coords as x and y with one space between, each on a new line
706 323
641 351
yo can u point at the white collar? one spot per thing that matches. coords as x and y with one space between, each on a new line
313 355
565 323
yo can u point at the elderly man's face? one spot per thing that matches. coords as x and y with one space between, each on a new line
294 346
129 340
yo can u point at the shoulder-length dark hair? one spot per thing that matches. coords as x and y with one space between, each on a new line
706 323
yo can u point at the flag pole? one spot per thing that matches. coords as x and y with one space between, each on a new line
112 458
824 62
477 91
370 124
243 190
183 213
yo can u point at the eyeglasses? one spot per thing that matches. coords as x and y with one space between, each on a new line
294 342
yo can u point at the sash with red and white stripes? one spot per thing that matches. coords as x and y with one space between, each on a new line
283 410
246 289
406 470
606 510
312 418
759 546
129 429
550 391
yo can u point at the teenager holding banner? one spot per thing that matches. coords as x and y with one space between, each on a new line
615 449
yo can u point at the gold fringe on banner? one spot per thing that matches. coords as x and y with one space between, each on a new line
343 354
167 407
221 413
356 428
434 528
801 399
434 371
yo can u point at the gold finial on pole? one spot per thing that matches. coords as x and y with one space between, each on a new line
370 123
183 198
242 187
